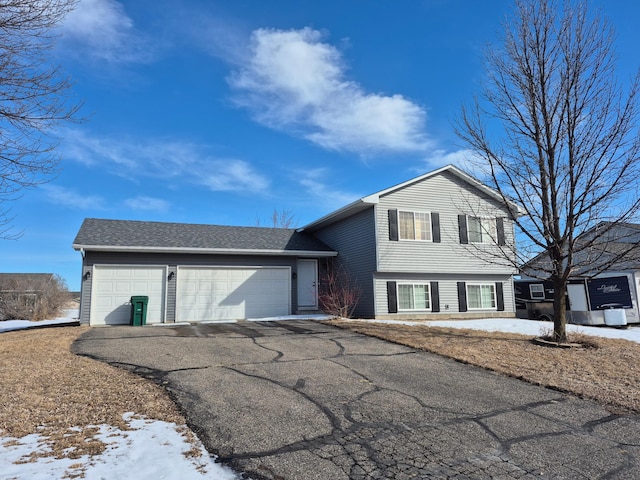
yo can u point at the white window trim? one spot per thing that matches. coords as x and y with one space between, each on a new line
422 284
413 212
495 298
486 235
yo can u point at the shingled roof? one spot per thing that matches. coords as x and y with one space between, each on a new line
129 235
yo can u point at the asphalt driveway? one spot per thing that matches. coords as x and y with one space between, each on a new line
301 400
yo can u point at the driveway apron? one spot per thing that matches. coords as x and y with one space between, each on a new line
301 400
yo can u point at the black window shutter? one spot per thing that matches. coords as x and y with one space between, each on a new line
392 297
435 297
393 225
462 225
462 297
499 297
435 227
500 230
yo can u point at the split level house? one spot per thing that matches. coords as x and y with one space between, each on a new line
430 248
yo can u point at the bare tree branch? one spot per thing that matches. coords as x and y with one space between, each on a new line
559 136
34 97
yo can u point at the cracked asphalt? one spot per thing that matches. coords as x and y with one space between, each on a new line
301 400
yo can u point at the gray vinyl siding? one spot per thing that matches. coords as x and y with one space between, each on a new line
354 239
449 196
172 261
448 292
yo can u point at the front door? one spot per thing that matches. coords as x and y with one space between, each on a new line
307 284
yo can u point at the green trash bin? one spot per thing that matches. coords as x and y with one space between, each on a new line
139 309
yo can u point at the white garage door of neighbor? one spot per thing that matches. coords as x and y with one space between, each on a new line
224 293
113 287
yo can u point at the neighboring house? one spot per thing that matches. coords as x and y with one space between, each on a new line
426 248
606 277
22 294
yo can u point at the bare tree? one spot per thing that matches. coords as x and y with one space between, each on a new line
280 219
556 133
33 96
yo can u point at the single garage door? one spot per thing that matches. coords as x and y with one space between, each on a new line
223 293
112 289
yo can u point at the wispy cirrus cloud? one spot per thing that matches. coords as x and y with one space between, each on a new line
147 204
70 198
464 159
102 29
318 184
293 81
163 159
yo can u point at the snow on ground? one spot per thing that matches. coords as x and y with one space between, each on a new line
526 327
152 450
70 317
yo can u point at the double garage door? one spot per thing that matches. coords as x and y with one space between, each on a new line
205 293
202 293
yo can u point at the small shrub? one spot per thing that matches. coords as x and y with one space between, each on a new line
338 294
32 297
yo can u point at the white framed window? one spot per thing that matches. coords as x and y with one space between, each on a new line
414 225
481 229
414 296
481 296
536 291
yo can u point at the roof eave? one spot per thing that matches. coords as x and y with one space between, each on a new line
344 212
216 251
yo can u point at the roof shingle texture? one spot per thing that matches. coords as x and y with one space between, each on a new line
130 233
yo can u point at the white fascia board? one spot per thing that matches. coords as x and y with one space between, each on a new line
217 251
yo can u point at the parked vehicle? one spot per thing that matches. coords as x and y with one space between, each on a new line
610 299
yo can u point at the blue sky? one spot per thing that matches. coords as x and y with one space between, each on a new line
223 111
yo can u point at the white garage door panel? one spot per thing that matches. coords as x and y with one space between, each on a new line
232 293
113 287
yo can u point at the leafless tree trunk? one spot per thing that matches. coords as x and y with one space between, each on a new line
557 134
33 97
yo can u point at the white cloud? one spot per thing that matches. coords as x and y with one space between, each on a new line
102 29
164 159
316 184
292 80
465 159
145 203
69 198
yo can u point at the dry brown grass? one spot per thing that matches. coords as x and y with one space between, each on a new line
46 389
608 374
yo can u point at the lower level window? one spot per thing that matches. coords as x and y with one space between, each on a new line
413 296
481 296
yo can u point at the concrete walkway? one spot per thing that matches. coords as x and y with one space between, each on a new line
300 400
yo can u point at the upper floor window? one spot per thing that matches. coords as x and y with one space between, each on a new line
414 225
481 230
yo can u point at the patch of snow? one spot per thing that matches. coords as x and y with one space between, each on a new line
70 317
524 327
152 450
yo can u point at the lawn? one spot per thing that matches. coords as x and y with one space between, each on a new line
607 372
48 390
